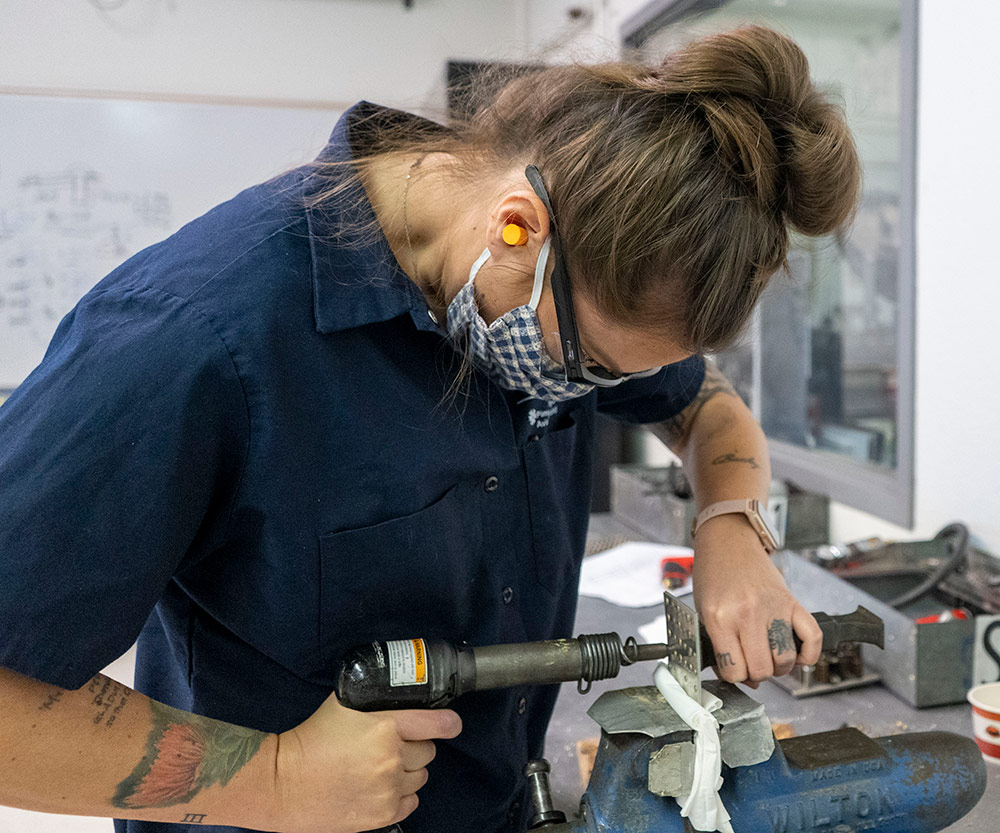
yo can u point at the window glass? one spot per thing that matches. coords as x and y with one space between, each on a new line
820 367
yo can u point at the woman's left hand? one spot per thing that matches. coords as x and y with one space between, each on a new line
746 606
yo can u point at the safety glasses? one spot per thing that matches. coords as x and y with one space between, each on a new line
578 367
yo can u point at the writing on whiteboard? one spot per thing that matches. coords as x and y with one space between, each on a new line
60 232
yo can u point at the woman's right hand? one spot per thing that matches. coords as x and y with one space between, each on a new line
344 771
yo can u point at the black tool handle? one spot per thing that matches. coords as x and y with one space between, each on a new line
860 626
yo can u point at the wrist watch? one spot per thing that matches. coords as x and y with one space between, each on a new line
754 514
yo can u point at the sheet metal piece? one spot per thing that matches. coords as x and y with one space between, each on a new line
683 644
671 769
744 730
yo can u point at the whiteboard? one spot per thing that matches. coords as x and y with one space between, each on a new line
86 183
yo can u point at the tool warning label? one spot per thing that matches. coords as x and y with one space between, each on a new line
407 662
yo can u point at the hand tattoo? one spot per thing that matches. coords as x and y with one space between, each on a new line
724 660
779 636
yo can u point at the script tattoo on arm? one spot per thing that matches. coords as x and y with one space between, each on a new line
109 697
185 753
779 636
674 431
51 699
724 660
732 458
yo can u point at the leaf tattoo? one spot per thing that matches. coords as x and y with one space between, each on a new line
185 753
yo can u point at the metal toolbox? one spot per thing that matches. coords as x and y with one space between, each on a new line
651 501
924 664
655 502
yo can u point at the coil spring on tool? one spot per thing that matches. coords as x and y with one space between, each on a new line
603 656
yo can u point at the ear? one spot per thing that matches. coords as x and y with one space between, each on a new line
523 208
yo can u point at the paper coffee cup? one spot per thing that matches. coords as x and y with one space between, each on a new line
985 700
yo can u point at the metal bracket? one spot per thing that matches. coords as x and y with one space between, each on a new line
683 644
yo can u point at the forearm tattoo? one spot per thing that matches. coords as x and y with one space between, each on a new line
51 699
779 636
109 698
732 458
185 753
674 431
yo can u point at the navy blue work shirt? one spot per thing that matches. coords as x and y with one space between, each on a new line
240 448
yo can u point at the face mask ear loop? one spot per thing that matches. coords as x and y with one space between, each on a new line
543 260
478 264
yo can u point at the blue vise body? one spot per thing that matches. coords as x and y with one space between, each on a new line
840 781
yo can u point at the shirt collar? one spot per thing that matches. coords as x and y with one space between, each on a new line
356 279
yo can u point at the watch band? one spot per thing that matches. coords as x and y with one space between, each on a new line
751 509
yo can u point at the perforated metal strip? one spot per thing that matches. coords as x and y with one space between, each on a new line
683 645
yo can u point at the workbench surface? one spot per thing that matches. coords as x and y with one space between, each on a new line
873 709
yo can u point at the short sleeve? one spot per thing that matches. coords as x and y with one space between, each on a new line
654 398
119 458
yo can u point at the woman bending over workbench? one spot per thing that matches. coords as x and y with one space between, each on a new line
357 403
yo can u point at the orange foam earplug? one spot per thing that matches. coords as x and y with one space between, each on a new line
514 235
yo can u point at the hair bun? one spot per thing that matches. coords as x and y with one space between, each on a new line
675 186
771 125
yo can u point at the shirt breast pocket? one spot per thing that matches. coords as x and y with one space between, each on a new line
419 575
558 467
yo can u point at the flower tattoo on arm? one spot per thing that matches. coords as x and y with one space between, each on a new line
185 753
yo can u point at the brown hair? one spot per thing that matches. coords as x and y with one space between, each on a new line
674 186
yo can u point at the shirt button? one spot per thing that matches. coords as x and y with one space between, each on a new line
491 483
522 706
534 438
508 595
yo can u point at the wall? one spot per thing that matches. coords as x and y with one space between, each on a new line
331 50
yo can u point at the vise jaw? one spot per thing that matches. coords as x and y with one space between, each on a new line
744 731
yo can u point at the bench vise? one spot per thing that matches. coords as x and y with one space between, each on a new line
831 782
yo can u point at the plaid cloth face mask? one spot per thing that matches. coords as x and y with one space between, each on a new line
511 350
